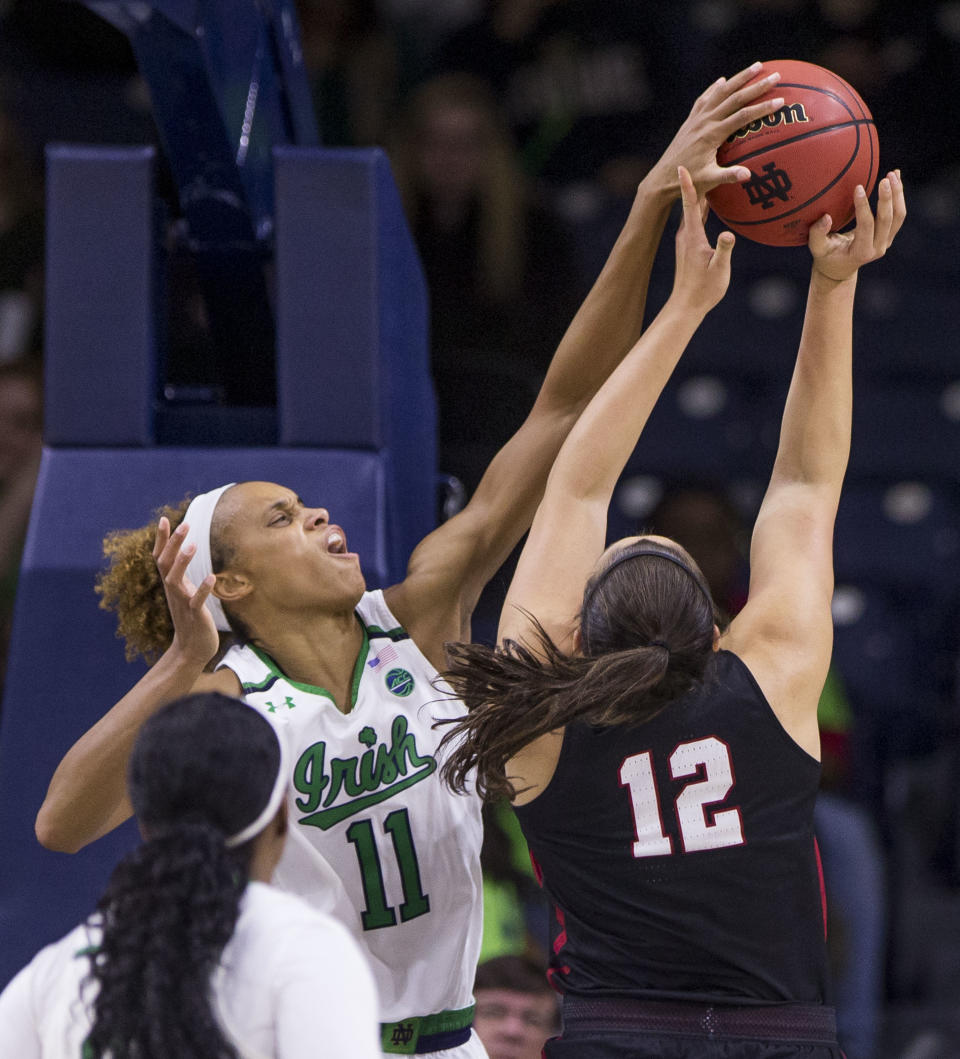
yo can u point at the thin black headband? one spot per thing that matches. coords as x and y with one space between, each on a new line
639 552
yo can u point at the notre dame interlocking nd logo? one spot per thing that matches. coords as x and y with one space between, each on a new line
769 184
402 1033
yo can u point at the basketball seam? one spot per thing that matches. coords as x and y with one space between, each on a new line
796 139
819 194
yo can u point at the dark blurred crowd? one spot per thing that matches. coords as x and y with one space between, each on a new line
518 131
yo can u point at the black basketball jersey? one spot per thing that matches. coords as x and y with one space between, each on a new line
680 853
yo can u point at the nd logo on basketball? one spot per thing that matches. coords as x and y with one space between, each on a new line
399 682
769 184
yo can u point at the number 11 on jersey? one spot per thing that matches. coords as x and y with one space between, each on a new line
700 828
378 912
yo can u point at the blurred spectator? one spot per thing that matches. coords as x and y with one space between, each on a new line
352 64
705 521
21 245
516 1009
586 85
498 267
21 393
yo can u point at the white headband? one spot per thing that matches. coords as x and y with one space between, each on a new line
198 518
273 802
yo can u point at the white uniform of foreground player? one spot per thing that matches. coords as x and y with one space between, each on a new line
291 984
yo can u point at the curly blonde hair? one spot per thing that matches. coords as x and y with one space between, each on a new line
131 586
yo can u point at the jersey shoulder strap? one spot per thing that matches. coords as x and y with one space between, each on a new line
379 620
250 668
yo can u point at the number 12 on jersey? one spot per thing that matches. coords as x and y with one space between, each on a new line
700 829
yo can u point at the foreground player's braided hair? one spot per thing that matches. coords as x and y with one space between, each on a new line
202 769
646 626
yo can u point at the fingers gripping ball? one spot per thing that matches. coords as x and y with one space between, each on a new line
805 159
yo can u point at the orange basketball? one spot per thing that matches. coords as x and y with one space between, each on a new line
805 160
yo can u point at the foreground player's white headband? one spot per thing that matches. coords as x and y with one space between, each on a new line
273 802
198 518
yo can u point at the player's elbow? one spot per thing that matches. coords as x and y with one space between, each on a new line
52 834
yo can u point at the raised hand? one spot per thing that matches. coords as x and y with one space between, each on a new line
719 111
195 633
838 255
702 273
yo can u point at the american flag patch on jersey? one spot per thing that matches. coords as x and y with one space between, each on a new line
388 654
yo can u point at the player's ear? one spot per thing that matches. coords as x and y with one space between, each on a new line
231 587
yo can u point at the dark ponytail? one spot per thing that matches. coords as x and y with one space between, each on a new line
202 769
170 909
647 630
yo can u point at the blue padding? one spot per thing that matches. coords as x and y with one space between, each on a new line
99 351
352 357
66 666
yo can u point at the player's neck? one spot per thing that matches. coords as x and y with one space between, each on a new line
319 650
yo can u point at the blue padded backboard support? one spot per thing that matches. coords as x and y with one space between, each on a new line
352 359
67 667
100 345
227 82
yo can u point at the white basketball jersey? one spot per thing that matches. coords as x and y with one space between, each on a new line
376 839
272 997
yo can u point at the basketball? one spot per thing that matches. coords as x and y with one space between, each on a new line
805 160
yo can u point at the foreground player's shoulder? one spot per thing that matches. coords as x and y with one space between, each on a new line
37 986
287 934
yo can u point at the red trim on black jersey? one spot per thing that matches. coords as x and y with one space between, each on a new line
823 888
537 870
561 939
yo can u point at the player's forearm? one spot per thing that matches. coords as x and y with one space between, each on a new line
600 443
815 433
611 317
87 794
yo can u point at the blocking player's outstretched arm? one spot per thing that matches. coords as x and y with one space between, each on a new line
785 631
450 567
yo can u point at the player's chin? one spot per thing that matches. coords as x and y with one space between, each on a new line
356 582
